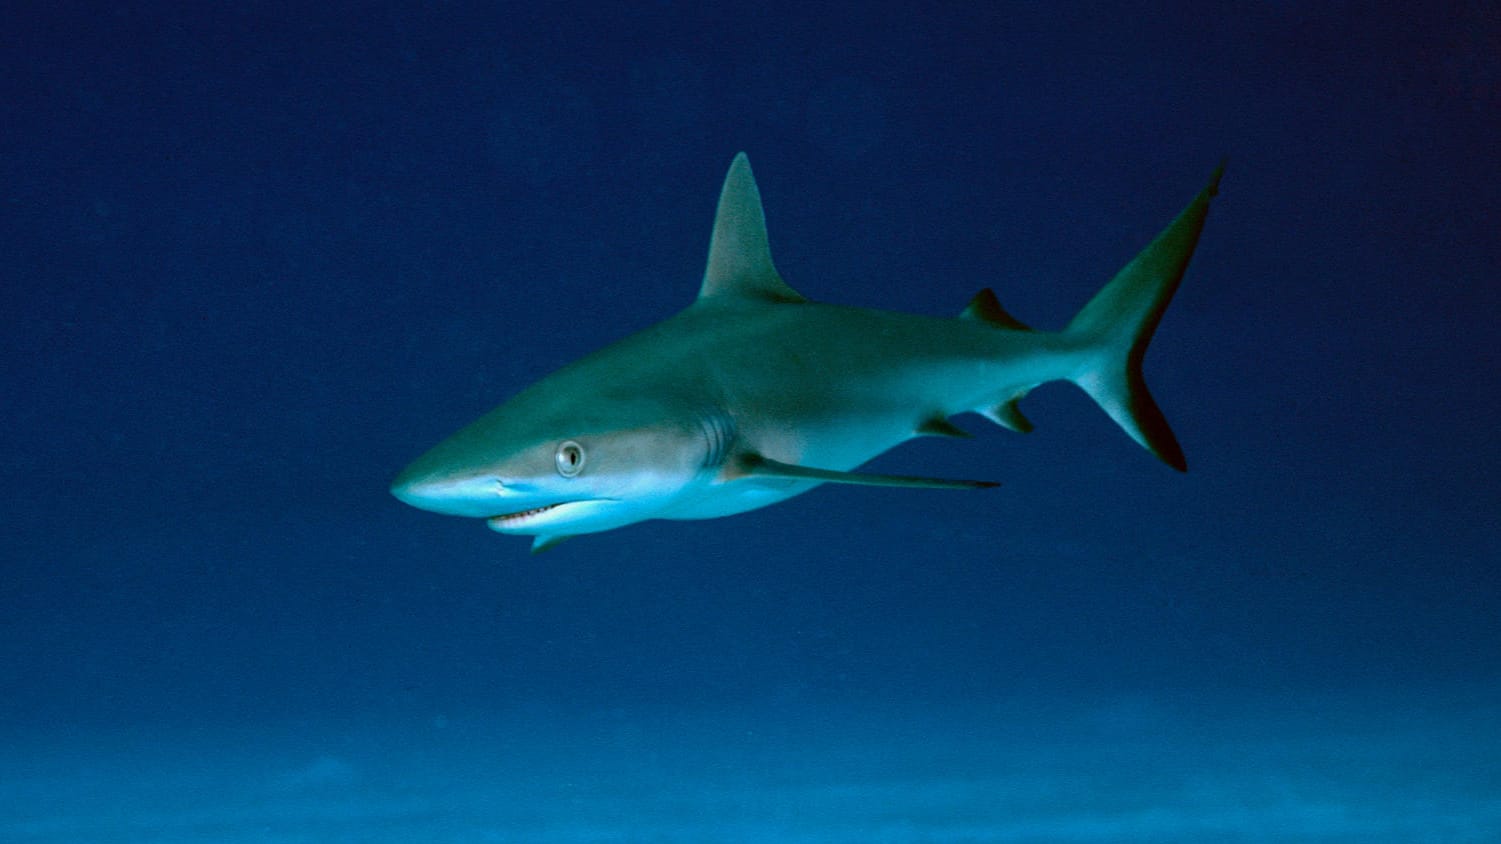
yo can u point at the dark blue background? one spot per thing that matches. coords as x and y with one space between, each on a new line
254 258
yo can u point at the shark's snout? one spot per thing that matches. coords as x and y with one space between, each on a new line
479 497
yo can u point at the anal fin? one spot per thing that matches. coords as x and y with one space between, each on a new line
1008 415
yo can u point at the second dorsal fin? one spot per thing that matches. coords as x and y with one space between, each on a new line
985 307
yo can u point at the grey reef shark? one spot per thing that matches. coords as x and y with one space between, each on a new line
754 394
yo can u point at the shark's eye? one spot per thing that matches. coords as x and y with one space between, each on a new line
570 458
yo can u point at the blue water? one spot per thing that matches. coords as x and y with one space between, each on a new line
255 259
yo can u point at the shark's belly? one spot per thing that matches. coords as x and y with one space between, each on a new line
727 499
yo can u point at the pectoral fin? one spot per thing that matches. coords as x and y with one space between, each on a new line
545 542
754 465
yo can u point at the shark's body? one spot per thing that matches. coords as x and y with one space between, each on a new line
753 394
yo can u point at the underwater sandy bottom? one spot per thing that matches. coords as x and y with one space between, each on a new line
1126 769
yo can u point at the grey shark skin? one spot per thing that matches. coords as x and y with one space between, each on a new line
753 394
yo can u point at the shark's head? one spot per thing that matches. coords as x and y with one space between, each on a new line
554 462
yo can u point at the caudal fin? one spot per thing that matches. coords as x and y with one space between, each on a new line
1118 322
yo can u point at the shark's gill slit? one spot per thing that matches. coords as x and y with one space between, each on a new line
719 430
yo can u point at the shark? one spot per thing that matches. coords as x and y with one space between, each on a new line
754 394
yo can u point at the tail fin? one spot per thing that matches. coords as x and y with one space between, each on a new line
1118 323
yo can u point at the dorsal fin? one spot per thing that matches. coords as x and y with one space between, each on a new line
739 257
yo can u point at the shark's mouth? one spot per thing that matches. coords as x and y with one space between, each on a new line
508 519
580 515
523 521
